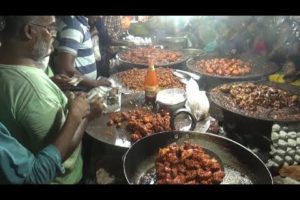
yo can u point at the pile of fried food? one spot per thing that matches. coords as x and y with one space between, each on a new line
187 164
141 122
224 66
249 96
134 78
258 100
141 56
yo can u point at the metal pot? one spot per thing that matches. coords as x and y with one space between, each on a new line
174 43
191 52
241 165
173 100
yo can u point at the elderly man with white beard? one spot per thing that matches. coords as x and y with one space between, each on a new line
33 108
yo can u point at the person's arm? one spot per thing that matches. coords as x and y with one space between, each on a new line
68 44
19 165
65 65
73 129
62 81
80 113
47 164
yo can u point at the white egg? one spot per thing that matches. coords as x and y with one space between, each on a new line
286 164
272 153
278 159
275 127
291 143
282 143
274 136
271 163
297 158
273 148
291 153
285 128
282 135
289 159
280 152
292 134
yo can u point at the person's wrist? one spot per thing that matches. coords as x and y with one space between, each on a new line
93 115
99 83
75 117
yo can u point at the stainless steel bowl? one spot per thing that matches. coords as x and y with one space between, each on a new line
171 99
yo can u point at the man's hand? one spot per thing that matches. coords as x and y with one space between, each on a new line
78 105
97 105
103 82
62 81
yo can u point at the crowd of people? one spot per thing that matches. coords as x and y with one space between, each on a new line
41 129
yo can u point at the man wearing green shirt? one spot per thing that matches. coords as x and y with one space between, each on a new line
33 108
18 165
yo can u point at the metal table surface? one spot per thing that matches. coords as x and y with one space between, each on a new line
99 130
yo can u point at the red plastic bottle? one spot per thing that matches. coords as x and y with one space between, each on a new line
151 84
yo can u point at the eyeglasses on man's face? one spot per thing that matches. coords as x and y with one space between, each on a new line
52 29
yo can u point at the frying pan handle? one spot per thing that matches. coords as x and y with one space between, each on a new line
186 111
123 157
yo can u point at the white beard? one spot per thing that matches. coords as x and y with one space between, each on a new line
43 64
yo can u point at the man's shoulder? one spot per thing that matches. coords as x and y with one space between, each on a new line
70 22
70 33
17 74
33 81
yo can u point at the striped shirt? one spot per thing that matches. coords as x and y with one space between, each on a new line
74 37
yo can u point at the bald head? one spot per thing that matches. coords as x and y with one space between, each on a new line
13 25
26 37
